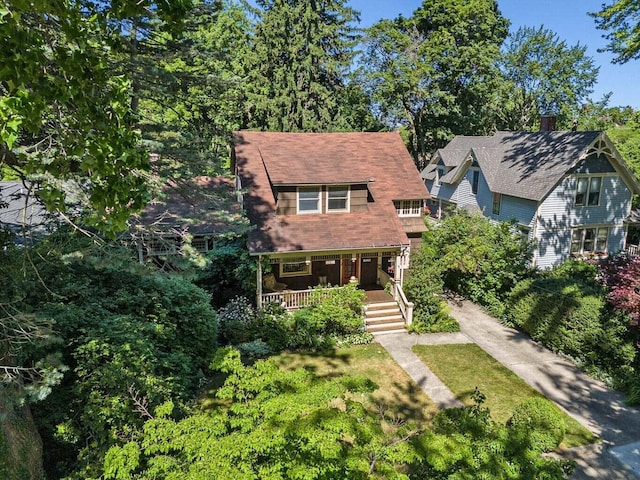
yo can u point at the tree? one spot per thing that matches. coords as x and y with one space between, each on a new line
434 72
301 52
189 88
64 117
269 424
621 275
479 259
620 19
542 75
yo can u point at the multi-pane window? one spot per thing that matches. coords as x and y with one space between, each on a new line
408 208
588 191
593 239
309 200
293 267
338 198
495 206
475 179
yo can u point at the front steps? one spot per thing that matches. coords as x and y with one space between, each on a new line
384 317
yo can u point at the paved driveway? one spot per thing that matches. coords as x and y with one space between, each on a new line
587 400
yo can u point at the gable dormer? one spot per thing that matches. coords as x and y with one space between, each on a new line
322 199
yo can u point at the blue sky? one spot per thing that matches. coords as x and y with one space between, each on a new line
567 18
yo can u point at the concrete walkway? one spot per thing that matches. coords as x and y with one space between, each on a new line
589 401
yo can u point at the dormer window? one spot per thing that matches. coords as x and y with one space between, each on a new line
309 200
338 199
408 208
588 191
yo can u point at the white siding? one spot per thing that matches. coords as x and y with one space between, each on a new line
558 215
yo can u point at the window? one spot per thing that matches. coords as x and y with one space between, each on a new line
309 200
497 200
475 178
439 174
295 267
588 191
408 208
338 199
587 240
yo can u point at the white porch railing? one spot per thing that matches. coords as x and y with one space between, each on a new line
632 249
289 299
406 307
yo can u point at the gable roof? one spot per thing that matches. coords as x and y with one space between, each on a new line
266 160
526 164
198 206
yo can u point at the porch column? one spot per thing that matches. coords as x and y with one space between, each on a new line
259 282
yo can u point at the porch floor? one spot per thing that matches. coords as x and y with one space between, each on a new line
378 296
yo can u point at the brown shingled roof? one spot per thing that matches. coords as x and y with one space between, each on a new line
265 160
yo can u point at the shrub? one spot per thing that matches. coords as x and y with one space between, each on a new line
423 286
537 424
563 314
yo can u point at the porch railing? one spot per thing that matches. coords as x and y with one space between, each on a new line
632 249
406 307
289 299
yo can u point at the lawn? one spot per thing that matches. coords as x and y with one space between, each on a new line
397 393
464 367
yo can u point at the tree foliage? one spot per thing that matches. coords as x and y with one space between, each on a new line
621 275
189 88
542 75
434 72
273 424
301 52
127 338
480 260
65 119
621 19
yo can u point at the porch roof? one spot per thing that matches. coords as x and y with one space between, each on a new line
339 231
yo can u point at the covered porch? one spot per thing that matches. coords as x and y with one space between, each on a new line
291 278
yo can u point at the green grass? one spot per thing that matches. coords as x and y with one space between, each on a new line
397 394
464 367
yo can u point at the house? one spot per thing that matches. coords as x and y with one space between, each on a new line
328 209
570 192
21 211
189 213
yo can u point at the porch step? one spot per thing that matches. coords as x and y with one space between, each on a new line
384 317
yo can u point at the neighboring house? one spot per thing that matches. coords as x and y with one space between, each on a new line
21 212
570 192
187 213
329 208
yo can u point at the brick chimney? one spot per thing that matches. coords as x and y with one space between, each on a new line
548 123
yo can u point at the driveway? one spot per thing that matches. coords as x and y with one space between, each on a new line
589 401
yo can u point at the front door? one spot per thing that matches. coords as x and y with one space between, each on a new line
349 268
369 272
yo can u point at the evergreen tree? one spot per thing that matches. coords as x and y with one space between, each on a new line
301 53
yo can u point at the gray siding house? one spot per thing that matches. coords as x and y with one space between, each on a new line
569 191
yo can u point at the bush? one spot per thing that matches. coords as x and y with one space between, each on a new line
130 337
423 286
537 424
562 313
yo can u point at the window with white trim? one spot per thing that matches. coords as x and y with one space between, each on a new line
295 267
439 174
308 199
588 191
408 208
338 198
589 240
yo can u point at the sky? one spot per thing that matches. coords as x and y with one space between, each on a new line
567 18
